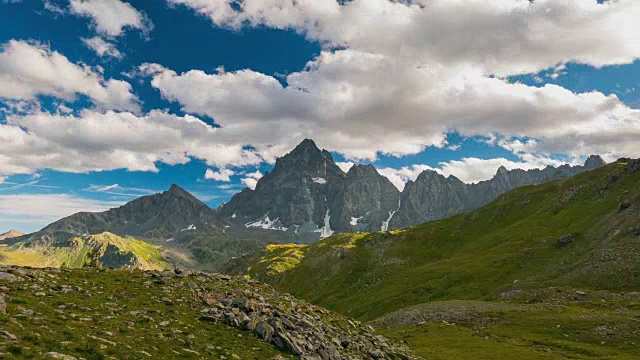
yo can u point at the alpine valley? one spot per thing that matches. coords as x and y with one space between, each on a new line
323 264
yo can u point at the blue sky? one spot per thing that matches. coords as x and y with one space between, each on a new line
230 87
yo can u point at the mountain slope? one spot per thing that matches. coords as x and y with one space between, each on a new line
192 233
582 232
159 216
104 250
103 314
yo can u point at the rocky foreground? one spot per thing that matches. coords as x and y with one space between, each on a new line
117 314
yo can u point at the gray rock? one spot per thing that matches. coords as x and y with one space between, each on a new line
3 303
4 276
55 355
8 336
565 240
625 205
297 327
264 331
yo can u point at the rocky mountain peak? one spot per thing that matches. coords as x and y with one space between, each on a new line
305 160
362 170
502 170
594 161
11 234
176 191
428 176
306 151
158 216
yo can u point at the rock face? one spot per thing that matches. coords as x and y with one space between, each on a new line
166 215
299 192
308 196
432 196
366 201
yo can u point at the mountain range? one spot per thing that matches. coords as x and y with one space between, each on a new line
307 194
305 198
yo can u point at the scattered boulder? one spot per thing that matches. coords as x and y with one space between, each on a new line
296 326
3 303
565 241
55 355
625 205
4 276
8 336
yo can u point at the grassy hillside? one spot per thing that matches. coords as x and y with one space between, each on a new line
97 314
104 250
578 235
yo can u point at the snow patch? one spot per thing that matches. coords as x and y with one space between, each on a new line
267 224
385 224
170 240
233 216
354 220
319 180
325 231
190 228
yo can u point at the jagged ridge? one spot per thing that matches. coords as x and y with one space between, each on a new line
308 192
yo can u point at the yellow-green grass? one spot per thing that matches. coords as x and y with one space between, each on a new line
80 251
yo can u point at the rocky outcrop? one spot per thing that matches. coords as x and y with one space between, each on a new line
297 327
431 196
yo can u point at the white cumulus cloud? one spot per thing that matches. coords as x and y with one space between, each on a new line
121 140
31 69
102 47
221 175
251 179
110 17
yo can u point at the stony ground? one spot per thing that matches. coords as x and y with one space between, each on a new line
117 314
561 323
